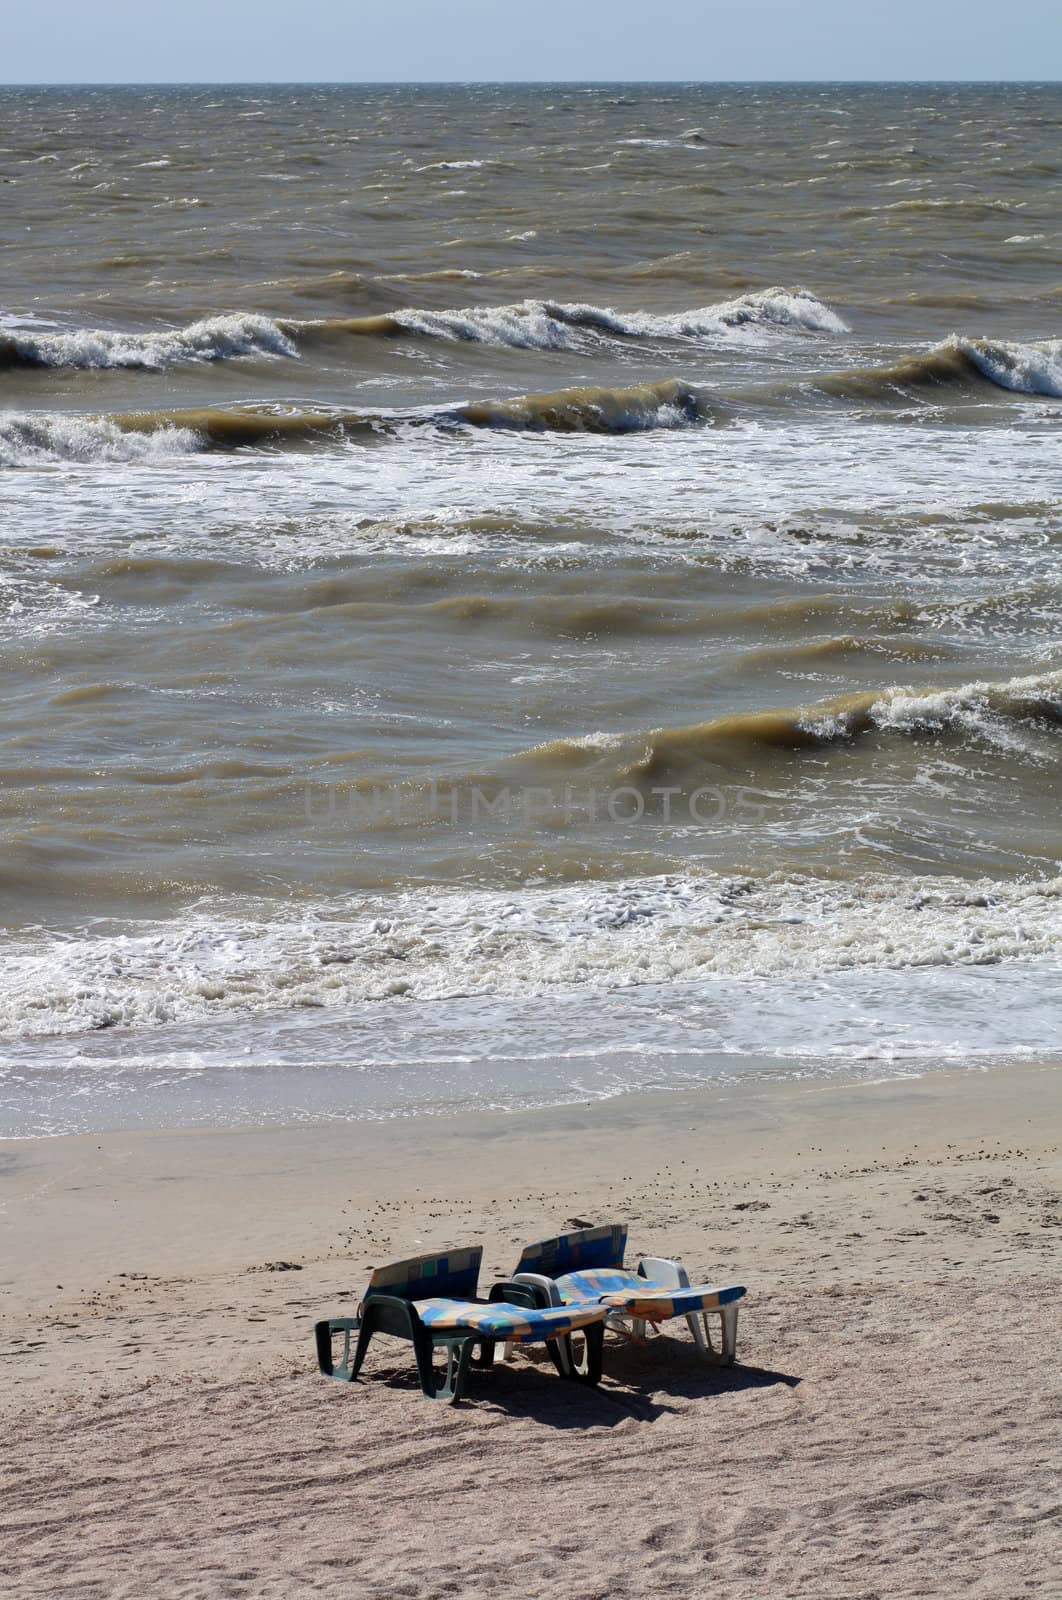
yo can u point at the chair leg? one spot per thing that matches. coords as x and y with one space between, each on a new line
701 1330
484 1353
458 1360
323 1332
365 1333
561 1354
729 1315
593 1358
584 1365
702 1334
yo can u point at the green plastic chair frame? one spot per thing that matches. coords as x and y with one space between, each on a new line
398 1316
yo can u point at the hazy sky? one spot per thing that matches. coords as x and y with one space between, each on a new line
108 41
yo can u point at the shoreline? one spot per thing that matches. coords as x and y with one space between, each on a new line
115 1182
213 1099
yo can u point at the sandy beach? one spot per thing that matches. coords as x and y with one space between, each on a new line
890 1428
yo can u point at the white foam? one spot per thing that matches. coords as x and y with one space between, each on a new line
432 945
29 439
17 321
213 339
546 325
985 709
1023 368
526 326
990 711
778 307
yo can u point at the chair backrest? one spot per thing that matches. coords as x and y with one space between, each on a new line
574 1252
454 1274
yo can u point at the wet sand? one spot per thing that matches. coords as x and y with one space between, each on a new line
889 1428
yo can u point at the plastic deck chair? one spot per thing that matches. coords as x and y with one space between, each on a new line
432 1301
586 1267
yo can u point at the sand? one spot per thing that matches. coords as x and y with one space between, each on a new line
892 1428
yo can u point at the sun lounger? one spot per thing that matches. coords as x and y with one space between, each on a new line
586 1267
432 1301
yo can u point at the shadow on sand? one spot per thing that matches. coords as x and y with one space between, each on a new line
640 1382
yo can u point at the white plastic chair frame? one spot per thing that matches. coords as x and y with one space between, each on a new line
664 1274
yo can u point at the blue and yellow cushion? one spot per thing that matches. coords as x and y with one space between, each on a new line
499 1320
636 1296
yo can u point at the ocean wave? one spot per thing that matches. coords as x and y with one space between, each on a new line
929 206
220 960
995 714
957 364
552 325
528 325
959 368
585 617
667 404
33 440
216 428
213 339
670 404
1024 368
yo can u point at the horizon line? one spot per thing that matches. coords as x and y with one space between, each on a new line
526 83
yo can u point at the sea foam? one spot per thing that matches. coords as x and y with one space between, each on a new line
221 959
30 439
547 325
213 339
1024 368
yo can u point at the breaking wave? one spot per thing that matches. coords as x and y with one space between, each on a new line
35 438
959 368
670 404
529 325
213 339
216 428
1025 368
548 325
30 440
993 713
957 365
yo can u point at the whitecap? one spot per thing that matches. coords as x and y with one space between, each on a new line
31 439
213 339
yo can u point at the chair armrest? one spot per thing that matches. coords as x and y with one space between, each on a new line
514 1293
536 1280
670 1274
392 1313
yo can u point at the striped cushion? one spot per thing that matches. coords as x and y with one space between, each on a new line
500 1320
641 1297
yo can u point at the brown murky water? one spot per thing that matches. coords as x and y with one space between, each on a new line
513 594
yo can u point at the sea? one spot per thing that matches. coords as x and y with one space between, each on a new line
514 595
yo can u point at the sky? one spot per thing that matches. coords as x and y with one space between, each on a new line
270 41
